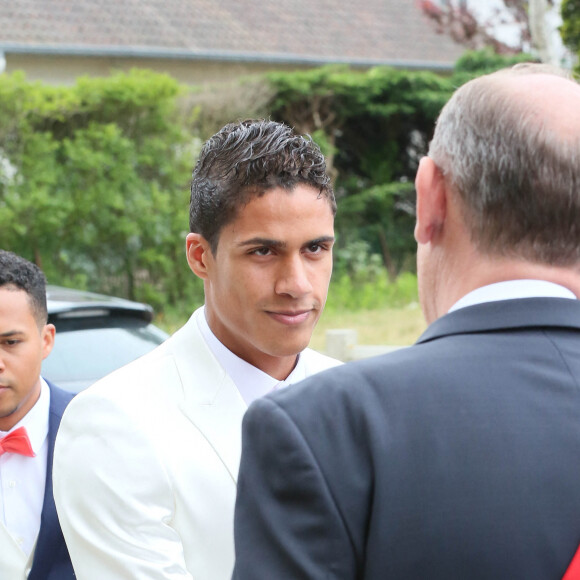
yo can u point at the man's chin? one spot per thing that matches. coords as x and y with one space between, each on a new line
287 350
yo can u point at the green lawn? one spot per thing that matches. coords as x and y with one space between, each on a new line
386 326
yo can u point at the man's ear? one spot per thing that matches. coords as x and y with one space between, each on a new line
431 201
198 250
47 334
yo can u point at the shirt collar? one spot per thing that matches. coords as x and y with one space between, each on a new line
36 420
513 289
251 382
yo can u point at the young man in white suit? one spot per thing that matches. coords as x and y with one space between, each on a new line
146 461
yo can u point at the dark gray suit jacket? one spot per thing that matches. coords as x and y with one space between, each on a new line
457 458
51 559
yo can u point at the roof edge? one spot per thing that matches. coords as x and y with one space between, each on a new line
120 51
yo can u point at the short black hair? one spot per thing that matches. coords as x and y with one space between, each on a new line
245 160
20 274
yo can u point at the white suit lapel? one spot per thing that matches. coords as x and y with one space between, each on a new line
210 399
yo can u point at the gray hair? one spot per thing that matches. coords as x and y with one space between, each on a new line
517 177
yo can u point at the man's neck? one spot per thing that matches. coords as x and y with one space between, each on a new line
493 270
278 367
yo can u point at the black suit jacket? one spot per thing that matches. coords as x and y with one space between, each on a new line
457 458
51 559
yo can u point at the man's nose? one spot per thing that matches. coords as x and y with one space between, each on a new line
293 279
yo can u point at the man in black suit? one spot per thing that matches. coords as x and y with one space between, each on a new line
460 456
32 544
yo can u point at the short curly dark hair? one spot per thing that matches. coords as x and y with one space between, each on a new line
16 273
245 160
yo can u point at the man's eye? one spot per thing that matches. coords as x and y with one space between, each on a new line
315 248
261 252
11 342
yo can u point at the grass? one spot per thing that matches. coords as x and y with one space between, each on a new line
384 326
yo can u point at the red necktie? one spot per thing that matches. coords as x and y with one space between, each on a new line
16 442
573 572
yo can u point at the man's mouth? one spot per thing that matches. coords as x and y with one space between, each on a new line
290 317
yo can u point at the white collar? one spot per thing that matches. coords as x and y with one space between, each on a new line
36 420
513 289
251 382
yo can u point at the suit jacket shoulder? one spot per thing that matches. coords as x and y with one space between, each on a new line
426 462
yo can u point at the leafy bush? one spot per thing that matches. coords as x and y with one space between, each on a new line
94 184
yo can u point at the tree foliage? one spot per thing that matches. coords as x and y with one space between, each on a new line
94 178
374 126
570 28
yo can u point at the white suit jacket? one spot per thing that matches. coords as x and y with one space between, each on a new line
146 463
15 564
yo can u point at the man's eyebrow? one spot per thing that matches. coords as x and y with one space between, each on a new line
321 240
263 242
11 333
270 243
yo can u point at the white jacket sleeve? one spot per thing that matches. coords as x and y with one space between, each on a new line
113 496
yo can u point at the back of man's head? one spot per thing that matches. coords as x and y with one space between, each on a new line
16 273
244 160
508 144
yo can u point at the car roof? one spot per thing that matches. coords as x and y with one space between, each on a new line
70 303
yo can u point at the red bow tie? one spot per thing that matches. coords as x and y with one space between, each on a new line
16 442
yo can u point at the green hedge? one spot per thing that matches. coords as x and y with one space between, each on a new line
94 183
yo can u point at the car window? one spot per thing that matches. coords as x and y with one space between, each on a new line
85 351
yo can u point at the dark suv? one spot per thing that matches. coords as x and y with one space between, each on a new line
95 334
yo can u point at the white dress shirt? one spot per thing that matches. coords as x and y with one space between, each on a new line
23 479
251 382
513 289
